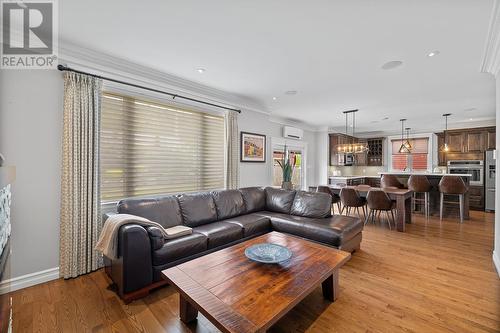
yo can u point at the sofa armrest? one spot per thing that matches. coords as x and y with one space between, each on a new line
156 237
135 263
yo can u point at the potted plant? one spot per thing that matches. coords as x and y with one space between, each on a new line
287 165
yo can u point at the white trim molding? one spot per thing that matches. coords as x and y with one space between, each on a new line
29 280
496 261
491 56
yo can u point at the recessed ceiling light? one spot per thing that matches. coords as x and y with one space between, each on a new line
274 98
433 53
470 118
385 118
392 64
291 92
200 70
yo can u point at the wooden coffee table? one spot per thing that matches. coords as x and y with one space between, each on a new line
239 295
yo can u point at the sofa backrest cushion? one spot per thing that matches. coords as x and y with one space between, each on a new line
197 208
229 203
254 198
311 204
279 200
164 210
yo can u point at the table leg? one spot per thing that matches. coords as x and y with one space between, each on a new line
187 312
408 209
401 213
331 286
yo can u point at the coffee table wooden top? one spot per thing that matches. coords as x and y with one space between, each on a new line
239 295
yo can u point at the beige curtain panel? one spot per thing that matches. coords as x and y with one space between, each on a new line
232 152
80 194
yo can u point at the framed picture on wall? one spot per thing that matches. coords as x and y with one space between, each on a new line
252 147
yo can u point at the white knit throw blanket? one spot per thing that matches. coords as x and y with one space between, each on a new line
108 240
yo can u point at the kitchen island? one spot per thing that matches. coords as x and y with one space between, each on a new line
434 178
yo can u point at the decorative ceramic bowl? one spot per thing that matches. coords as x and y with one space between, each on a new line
268 253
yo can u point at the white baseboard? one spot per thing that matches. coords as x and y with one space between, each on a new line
496 261
29 280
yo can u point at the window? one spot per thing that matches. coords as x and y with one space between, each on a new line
417 160
148 148
297 171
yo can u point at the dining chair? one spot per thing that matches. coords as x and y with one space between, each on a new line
420 184
452 185
378 201
335 197
350 199
390 181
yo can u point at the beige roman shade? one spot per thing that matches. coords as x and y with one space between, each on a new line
149 148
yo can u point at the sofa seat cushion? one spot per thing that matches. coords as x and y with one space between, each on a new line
286 223
334 230
252 224
220 233
179 248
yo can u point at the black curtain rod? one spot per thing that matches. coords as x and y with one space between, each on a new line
67 69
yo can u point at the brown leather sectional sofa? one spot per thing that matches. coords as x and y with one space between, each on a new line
219 219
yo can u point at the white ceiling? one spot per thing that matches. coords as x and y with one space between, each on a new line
329 51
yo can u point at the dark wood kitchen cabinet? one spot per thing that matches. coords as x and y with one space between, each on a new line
475 142
476 197
467 143
491 139
441 153
455 142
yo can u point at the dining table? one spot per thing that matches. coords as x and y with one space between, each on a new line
401 196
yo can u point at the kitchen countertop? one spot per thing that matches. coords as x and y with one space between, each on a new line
354 177
407 173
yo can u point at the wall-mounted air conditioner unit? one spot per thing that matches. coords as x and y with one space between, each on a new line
292 133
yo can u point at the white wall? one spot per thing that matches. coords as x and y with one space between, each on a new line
30 138
259 174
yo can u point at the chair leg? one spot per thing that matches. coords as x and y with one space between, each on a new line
441 199
393 220
342 210
374 213
364 211
413 201
426 203
388 219
338 206
357 211
461 200
367 217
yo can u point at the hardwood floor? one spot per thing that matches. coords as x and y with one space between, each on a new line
436 277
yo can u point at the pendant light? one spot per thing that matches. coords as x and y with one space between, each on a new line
407 142
403 149
445 147
351 148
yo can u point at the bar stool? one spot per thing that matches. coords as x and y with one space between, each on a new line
390 181
379 201
350 199
452 185
420 184
335 197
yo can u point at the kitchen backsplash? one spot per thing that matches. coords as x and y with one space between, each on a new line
356 170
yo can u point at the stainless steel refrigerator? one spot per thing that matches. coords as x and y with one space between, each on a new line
490 180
